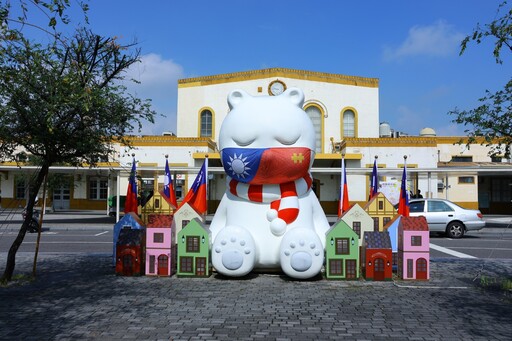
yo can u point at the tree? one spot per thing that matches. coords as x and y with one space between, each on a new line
491 122
62 103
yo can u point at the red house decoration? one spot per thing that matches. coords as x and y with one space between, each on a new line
377 256
130 252
413 248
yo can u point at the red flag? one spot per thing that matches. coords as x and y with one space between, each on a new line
374 185
196 196
403 203
131 203
344 202
168 192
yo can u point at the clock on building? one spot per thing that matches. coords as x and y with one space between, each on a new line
276 87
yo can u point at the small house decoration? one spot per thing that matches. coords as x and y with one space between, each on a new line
381 210
130 252
360 221
342 252
194 242
377 256
184 215
129 220
160 246
413 248
392 228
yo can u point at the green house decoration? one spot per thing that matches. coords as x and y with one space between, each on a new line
341 252
194 242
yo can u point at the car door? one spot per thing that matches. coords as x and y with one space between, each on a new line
439 214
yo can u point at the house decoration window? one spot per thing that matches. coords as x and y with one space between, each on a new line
193 244
416 240
152 264
376 224
356 226
349 123
206 123
381 205
342 246
98 188
315 114
186 264
410 266
158 237
336 267
386 220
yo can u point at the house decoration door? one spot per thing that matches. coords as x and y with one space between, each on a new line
378 270
200 266
163 265
128 265
421 268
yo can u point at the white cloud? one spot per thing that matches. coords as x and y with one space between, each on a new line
158 79
437 40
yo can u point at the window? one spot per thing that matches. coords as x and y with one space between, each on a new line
376 224
416 206
438 206
336 267
158 237
410 266
342 246
206 123
466 180
315 114
184 223
193 244
186 264
416 240
349 123
98 188
460 158
152 264
386 220
20 188
381 205
356 226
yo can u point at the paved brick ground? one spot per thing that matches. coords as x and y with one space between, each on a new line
78 297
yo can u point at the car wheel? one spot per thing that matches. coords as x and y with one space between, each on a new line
455 229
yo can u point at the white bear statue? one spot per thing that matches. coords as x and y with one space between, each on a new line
269 218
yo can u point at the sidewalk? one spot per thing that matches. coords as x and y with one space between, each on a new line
78 297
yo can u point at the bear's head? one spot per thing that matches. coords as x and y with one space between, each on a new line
267 139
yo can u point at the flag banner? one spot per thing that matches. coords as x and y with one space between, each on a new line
374 184
344 202
131 203
196 196
168 192
403 204
261 166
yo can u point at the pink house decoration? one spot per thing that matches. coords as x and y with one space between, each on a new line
413 248
160 246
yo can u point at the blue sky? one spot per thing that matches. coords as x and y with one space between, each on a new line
411 46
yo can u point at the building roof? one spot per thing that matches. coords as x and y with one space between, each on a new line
377 240
414 223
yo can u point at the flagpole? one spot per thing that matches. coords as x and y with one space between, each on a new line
206 181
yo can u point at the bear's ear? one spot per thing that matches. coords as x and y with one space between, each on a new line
235 97
295 95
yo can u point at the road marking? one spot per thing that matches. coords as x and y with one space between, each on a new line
450 252
99 234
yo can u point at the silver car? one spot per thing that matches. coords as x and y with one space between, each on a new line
446 216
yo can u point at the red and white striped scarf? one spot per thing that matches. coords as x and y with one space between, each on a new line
284 198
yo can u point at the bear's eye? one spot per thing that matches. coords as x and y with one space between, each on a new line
243 142
287 140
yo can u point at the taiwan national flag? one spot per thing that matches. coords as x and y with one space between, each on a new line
403 203
131 203
344 202
374 185
196 196
168 192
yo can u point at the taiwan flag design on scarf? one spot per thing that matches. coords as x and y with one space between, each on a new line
266 165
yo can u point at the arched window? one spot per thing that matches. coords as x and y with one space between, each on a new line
206 124
315 114
349 123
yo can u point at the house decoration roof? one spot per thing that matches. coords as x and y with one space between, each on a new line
414 223
377 240
132 237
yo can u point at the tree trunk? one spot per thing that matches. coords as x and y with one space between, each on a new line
11 256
